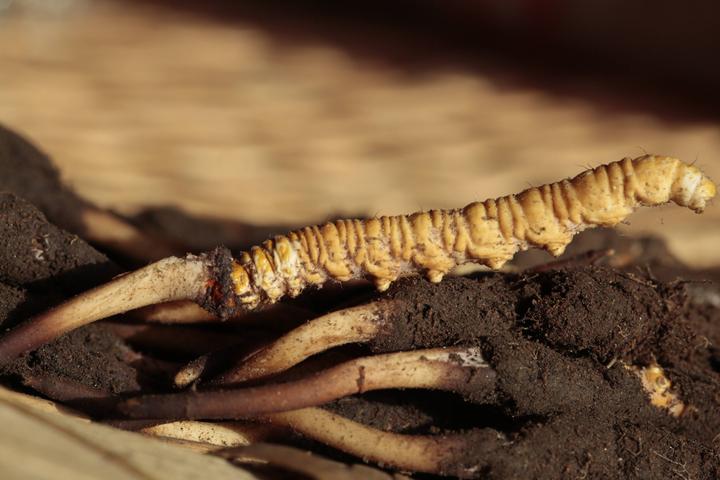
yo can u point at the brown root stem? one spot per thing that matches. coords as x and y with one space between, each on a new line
459 370
182 340
74 394
62 389
116 234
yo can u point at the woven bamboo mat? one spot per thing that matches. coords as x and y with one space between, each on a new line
144 107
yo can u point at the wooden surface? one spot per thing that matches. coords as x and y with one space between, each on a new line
39 441
240 120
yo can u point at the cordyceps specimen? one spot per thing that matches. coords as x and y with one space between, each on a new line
383 249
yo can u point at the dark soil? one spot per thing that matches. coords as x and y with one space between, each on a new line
41 265
37 254
90 356
29 173
559 341
565 405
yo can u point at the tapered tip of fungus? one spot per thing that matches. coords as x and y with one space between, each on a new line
692 188
706 192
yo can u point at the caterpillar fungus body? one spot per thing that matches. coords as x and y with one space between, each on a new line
382 249
433 243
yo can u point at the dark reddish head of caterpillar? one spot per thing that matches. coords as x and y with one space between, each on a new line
220 298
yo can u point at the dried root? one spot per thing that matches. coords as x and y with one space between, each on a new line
351 325
179 311
177 339
304 463
460 370
163 281
386 248
114 233
414 453
222 434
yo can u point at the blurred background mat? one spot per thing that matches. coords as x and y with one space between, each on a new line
290 112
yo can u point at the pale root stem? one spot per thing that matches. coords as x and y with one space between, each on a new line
222 434
204 435
169 279
190 372
176 339
415 453
350 325
178 311
116 234
452 369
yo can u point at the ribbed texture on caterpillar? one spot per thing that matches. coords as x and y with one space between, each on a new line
433 243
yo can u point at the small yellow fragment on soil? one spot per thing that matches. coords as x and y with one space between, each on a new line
659 388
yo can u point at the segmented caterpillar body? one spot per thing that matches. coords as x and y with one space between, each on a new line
433 243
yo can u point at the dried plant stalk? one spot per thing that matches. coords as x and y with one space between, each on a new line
414 453
461 370
179 311
310 466
226 434
119 235
163 281
350 325
383 249
175 339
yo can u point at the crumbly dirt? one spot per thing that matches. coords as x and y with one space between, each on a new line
90 356
29 173
10 299
389 412
41 265
559 341
37 254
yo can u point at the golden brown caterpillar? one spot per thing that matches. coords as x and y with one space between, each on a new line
433 243
383 249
